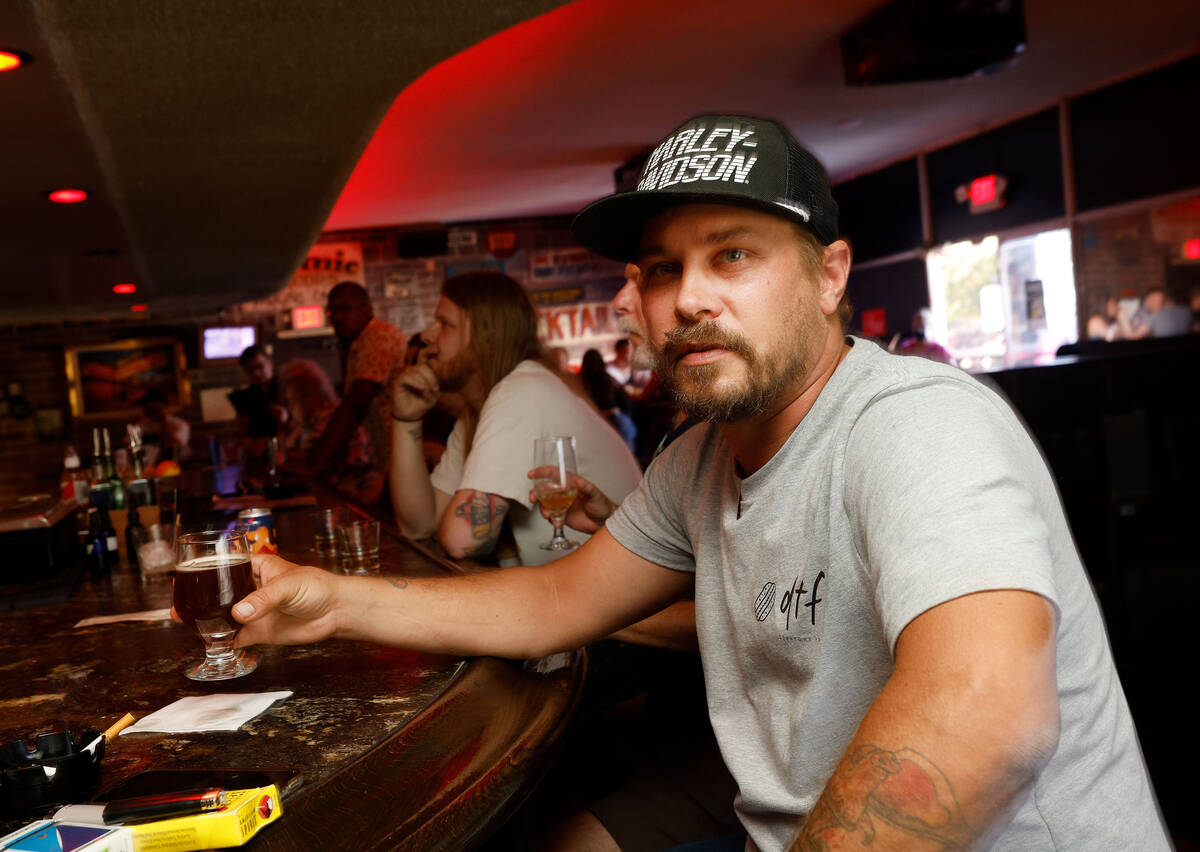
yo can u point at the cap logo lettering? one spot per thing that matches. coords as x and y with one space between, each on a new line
689 156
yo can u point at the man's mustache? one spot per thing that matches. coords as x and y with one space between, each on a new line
687 338
628 324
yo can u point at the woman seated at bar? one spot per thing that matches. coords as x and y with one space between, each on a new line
311 401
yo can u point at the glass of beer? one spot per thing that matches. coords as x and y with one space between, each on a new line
212 573
554 487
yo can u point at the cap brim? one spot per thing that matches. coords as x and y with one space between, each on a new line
612 226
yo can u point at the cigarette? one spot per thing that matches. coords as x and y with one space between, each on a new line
120 725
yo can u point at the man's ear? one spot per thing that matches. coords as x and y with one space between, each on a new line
835 267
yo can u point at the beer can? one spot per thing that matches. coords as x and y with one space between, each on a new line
259 525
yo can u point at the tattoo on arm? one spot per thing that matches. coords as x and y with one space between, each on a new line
896 793
398 582
415 433
485 513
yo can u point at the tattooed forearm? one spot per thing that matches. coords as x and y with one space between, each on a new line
485 512
892 795
415 433
398 582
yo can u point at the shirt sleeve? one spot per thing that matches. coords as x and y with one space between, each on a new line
946 495
448 472
649 521
501 454
376 355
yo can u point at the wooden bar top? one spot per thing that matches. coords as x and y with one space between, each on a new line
396 749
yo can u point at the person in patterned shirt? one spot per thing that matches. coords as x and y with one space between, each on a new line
370 349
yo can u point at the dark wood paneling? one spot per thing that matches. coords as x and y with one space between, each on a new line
899 288
1026 152
880 212
1138 139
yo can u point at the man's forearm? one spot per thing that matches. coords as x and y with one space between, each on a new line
673 628
412 491
521 612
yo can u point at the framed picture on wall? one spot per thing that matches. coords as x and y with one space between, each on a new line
108 381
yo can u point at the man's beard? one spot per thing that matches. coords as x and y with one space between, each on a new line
641 356
454 374
694 388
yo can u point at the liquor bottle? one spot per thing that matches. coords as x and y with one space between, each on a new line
97 545
142 484
112 550
73 485
99 488
118 487
131 538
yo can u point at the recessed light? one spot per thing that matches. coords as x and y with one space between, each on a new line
124 287
11 60
67 196
137 309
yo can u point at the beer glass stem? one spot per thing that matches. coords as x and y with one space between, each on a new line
219 653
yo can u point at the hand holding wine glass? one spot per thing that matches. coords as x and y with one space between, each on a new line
555 460
212 574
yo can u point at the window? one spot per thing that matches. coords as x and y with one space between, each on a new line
997 303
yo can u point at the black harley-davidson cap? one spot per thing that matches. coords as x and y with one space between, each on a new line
721 159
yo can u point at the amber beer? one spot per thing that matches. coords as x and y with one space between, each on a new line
206 589
556 500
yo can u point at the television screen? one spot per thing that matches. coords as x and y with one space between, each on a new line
227 341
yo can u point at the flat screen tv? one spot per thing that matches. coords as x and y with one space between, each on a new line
225 342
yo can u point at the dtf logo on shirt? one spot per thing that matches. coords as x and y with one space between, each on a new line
790 603
697 153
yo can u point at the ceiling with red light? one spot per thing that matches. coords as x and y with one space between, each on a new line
216 146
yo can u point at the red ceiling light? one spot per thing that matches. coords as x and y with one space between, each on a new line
137 309
11 60
124 288
1191 249
67 196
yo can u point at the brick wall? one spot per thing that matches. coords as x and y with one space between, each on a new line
1116 257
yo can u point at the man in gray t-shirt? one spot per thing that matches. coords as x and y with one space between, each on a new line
900 646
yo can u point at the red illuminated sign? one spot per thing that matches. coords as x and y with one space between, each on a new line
124 288
983 190
67 196
1191 249
874 322
308 316
983 194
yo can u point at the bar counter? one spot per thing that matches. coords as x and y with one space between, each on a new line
394 749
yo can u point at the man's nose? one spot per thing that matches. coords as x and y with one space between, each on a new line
696 297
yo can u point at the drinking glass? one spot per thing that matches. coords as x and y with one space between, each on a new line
556 458
358 546
212 573
155 553
325 528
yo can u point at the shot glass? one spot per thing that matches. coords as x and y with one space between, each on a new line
358 546
155 551
325 528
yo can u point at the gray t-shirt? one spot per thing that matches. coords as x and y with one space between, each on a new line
908 484
1169 321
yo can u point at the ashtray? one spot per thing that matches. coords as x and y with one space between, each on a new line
59 770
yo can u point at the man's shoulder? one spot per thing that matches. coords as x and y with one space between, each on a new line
528 375
381 333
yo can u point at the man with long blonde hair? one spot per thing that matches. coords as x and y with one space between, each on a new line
483 345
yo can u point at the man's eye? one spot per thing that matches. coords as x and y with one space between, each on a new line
733 255
659 269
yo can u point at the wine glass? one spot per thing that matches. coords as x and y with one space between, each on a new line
556 458
212 573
